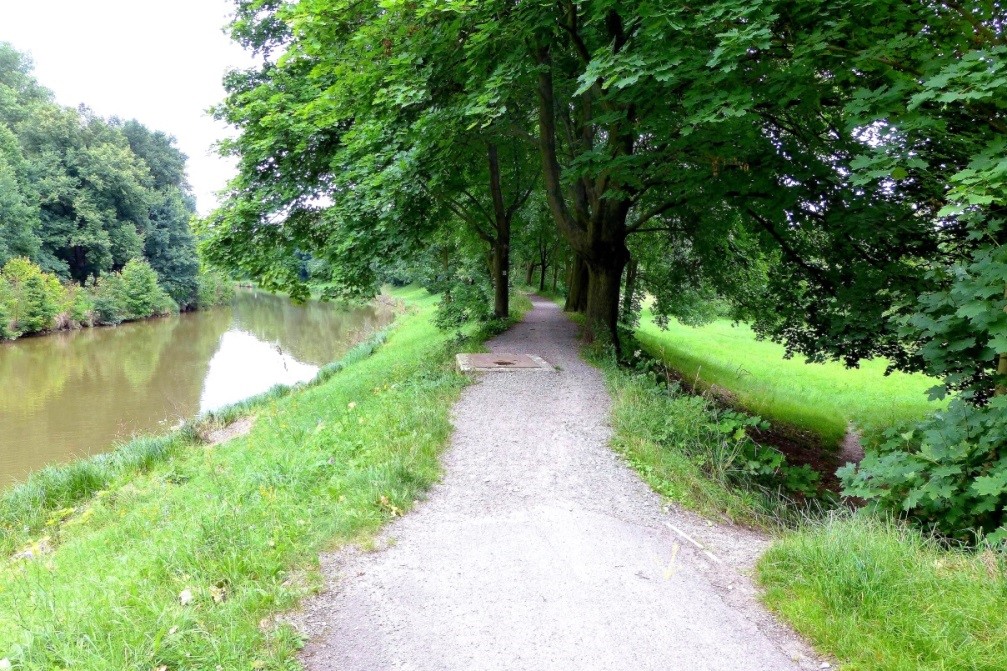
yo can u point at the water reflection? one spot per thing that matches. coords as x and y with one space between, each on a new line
72 394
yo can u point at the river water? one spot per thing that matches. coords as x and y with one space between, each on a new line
78 393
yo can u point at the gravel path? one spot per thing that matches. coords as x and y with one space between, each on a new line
540 549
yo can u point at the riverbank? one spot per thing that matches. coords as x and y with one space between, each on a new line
201 547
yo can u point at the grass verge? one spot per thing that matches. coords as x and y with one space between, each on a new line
691 451
882 597
182 561
822 398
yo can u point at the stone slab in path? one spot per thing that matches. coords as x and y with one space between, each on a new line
498 362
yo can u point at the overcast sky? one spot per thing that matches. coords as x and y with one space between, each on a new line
158 62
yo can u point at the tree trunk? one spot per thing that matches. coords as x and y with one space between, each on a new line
576 292
627 300
555 276
501 246
1001 388
529 276
543 256
603 297
501 290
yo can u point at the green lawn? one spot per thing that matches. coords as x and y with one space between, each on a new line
181 560
823 398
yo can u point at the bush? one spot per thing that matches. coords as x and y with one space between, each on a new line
946 472
142 295
79 305
213 289
463 302
108 294
33 298
6 300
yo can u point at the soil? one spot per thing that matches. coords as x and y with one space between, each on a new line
541 549
236 429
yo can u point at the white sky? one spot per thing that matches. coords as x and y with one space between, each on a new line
158 62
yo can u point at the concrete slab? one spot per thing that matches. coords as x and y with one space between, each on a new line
501 363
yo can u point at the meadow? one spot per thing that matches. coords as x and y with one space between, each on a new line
825 398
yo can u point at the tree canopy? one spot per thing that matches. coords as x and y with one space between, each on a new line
82 196
834 172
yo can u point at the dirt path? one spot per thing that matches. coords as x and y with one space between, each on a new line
541 550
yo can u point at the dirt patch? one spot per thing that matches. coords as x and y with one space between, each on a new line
236 429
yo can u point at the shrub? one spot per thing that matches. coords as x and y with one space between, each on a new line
108 295
6 298
142 295
463 302
34 299
945 472
213 289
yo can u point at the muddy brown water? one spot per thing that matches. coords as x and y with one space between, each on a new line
69 395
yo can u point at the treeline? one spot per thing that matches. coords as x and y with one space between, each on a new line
832 172
90 202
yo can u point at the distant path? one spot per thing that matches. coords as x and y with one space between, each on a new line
542 550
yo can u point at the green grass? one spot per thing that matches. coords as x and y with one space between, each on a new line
881 597
674 440
822 398
182 560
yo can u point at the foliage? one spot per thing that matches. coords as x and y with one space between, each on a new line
142 295
946 472
213 288
34 297
81 196
883 597
109 299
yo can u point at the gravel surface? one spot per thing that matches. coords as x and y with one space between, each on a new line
540 549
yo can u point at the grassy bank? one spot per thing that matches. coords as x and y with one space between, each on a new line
876 595
181 564
822 398
881 597
695 453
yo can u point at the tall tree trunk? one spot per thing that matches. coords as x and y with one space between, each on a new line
576 292
603 297
501 246
1001 388
627 300
529 275
555 276
543 255
501 290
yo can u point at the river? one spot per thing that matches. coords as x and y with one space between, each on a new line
73 394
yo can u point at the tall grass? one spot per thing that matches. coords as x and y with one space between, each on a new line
823 398
184 563
883 597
